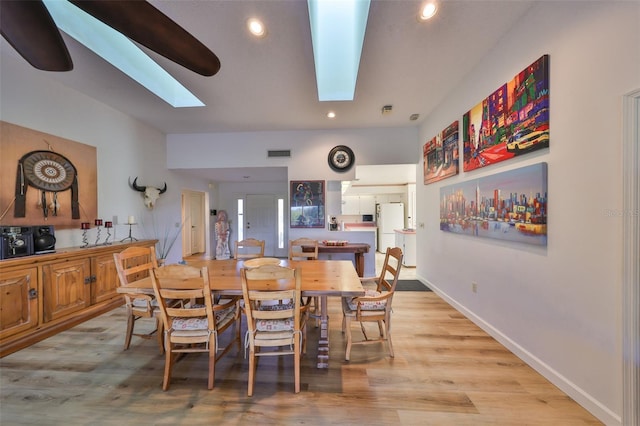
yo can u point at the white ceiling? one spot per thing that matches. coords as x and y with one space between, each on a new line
269 84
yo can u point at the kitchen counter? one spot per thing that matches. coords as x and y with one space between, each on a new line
405 231
406 240
360 226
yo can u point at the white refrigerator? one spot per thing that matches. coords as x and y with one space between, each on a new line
390 217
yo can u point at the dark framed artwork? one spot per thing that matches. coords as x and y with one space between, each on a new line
306 204
510 206
513 120
440 155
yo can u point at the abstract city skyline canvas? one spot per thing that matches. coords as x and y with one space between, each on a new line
512 121
509 206
440 155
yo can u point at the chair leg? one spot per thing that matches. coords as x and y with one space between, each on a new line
238 327
388 331
316 310
252 372
347 328
130 322
168 364
296 365
212 369
304 340
160 331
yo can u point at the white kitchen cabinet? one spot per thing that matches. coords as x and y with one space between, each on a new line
406 240
358 204
367 204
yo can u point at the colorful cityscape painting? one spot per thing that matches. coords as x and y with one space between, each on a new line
508 206
513 120
440 155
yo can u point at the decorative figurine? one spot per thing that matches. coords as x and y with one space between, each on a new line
222 236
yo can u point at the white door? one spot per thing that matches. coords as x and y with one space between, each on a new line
197 222
186 224
260 220
193 226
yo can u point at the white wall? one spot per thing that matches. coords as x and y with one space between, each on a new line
125 147
557 307
309 150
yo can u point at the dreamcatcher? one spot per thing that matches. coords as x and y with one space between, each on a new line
50 173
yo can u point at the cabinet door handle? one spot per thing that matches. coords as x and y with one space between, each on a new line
87 280
93 278
33 293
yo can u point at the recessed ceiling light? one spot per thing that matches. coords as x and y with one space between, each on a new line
427 11
331 114
256 27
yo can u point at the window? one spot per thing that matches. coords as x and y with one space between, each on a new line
240 219
280 223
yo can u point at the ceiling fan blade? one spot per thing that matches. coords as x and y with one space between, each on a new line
29 28
143 23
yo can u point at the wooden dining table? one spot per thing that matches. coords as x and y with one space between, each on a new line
322 278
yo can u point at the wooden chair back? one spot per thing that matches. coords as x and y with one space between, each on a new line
271 323
195 326
375 305
183 282
133 264
249 248
390 273
295 249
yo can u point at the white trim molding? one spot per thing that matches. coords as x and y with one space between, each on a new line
631 261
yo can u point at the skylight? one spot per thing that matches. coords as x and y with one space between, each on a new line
121 52
337 35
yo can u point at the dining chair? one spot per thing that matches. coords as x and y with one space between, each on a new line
295 249
133 264
196 326
375 305
295 253
277 327
249 248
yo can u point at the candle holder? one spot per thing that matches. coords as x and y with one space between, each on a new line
130 237
98 223
85 227
108 226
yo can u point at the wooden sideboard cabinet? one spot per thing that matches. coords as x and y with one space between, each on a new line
45 294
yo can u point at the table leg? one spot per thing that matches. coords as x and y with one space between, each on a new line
359 258
323 342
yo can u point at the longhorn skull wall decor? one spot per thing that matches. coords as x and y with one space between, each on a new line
151 194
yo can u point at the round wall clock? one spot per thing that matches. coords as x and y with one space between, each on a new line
341 158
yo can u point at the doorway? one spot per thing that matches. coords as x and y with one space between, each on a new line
193 220
261 221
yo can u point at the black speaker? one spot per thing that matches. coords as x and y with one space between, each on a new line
44 240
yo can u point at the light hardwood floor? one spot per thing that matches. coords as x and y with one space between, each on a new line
446 372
